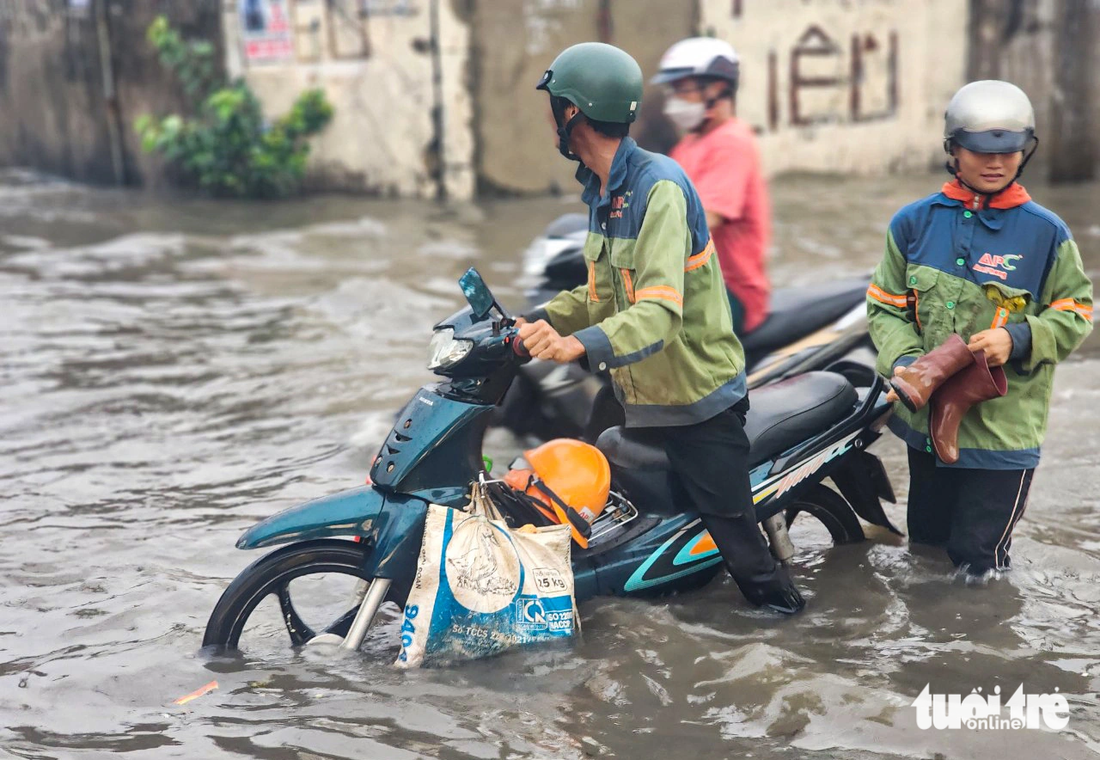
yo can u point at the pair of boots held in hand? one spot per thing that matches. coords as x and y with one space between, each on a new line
952 378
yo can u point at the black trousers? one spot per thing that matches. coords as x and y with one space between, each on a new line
970 512
711 459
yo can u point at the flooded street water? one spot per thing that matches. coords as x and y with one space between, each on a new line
174 370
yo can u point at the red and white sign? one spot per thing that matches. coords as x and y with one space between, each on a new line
266 31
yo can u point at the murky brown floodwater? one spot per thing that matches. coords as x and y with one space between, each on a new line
174 371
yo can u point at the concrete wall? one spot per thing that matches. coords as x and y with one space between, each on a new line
50 76
514 43
55 113
1014 40
845 85
1050 49
377 70
829 85
1074 143
142 84
436 96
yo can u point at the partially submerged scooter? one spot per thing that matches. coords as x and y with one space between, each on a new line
646 541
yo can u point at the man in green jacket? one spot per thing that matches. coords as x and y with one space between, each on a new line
982 260
654 310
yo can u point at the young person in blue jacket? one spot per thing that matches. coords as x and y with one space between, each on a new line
982 260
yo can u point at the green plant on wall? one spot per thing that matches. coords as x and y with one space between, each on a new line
226 148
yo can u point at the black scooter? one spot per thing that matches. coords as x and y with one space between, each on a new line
806 329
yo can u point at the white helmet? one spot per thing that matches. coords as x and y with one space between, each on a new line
989 116
699 57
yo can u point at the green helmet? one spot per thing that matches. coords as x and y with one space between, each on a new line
604 82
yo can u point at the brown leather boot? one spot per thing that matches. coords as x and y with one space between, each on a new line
977 383
917 382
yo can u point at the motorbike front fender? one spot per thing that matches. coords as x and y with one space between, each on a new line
391 523
863 481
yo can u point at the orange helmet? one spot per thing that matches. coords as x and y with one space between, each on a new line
577 472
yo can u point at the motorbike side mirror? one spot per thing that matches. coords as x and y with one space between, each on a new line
479 296
477 293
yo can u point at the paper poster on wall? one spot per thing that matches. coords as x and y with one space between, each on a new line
266 31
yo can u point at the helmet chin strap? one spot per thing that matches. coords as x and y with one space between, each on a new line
565 129
953 169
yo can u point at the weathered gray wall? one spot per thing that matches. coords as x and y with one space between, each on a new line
52 110
848 86
377 68
1075 112
514 42
142 83
54 114
833 85
1049 48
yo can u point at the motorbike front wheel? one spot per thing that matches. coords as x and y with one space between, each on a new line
829 520
311 567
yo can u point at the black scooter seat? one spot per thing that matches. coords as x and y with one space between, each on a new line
794 313
781 415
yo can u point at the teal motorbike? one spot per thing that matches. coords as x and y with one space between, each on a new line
647 541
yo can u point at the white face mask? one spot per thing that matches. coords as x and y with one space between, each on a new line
685 114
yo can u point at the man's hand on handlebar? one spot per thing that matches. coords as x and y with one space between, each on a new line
543 342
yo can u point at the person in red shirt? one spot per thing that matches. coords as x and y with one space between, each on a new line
720 156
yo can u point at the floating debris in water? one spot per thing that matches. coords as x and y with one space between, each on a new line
197 693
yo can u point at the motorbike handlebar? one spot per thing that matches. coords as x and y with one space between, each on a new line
518 347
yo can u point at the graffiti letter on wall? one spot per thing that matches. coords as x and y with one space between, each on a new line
819 47
874 82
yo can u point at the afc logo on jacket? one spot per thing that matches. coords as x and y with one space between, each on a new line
618 203
1012 248
998 266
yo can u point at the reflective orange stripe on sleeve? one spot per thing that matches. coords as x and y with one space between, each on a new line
592 295
1068 304
661 292
877 293
628 284
701 258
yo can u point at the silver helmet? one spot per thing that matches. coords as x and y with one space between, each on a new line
700 57
989 116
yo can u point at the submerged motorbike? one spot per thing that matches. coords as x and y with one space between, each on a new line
805 329
647 540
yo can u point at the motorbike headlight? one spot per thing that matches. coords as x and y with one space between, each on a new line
445 350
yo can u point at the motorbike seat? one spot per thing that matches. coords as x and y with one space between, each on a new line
794 313
781 415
